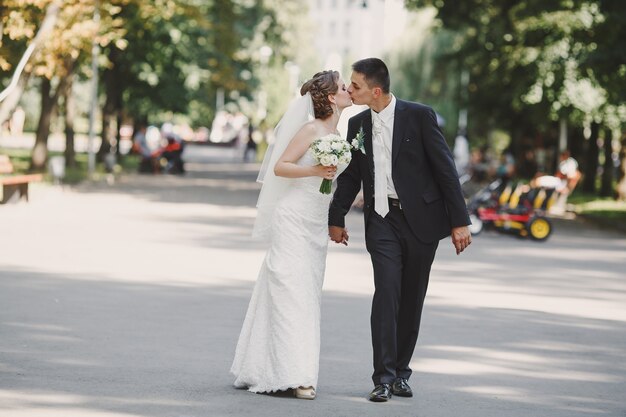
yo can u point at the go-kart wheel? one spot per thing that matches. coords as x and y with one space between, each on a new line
477 225
539 228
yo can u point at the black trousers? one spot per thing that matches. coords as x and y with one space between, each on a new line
401 272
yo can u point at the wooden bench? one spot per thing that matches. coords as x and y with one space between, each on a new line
15 187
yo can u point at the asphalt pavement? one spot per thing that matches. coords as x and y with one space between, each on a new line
125 298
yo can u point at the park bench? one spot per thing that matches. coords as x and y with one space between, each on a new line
14 187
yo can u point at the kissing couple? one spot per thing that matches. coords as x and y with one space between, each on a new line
412 200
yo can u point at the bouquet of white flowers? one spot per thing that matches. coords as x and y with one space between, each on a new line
330 150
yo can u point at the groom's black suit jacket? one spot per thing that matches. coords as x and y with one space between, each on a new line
423 173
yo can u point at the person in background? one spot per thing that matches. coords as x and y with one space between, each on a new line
564 181
249 153
141 146
506 168
172 152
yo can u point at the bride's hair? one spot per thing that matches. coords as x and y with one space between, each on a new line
321 86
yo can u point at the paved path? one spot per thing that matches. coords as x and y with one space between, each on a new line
127 300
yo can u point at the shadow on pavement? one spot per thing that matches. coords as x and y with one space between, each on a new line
225 184
91 344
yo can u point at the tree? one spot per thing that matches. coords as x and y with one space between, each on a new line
177 55
534 63
60 54
427 70
159 57
16 28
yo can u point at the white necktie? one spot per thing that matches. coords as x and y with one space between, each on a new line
381 204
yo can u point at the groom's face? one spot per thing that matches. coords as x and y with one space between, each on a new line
360 92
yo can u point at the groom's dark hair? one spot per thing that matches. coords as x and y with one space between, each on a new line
375 71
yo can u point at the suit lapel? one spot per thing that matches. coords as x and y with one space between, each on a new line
369 149
399 126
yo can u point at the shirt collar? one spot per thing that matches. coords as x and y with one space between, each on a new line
386 114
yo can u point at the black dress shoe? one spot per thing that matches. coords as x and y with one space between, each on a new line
400 387
381 393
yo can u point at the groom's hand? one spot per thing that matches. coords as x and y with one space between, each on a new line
338 234
461 238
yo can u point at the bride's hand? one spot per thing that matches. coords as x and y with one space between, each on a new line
325 172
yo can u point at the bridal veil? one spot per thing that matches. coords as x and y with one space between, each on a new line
299 112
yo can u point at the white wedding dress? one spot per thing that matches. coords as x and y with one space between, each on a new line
279 344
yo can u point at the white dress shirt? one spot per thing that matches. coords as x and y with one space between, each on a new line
386 117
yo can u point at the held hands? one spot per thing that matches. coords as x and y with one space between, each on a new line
338 234
461 238
324 172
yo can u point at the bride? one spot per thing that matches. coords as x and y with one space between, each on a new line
279 344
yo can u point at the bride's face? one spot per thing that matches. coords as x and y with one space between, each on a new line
342 98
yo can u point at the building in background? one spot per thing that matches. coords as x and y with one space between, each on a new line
348 30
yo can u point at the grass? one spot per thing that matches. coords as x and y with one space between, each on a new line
20 158
598 207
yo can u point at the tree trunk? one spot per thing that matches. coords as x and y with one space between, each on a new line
70 113
107 122
591 164
10 103
576 143
515 148
111 106
606 190
621 186
49 105
39 155
118 135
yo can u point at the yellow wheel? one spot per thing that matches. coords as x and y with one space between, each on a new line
539 228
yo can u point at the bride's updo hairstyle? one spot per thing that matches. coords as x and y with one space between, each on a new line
321 86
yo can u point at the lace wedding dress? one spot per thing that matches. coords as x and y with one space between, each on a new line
279 343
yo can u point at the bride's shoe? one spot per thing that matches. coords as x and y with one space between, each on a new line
307 393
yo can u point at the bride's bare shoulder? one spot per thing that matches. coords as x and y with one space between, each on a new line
311 129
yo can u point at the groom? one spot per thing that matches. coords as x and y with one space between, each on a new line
412 199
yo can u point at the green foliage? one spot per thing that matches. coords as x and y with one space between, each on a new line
532 62
149 70
20 159
591 206
70 40
17 26
423 70
163 57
